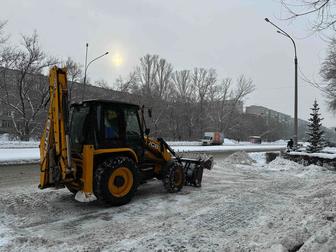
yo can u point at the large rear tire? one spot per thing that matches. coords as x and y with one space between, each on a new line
116 180
173 178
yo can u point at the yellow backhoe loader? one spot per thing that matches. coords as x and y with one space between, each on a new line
104 152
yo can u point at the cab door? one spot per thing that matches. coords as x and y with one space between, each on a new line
134 135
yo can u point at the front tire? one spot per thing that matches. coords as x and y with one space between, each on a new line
116 180
173 178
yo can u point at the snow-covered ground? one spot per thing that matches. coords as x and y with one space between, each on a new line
243 205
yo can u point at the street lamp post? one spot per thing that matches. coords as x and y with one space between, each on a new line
87 66
282 32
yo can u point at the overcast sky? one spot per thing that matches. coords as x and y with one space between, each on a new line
230 36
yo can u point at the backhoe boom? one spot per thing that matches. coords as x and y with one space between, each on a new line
55 155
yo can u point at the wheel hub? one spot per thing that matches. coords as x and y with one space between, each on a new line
119 181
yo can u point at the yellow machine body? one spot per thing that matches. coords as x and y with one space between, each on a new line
112 171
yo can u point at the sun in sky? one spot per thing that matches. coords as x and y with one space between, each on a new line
117 59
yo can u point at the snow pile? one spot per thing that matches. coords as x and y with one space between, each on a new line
298 170
323 240
240 157
258 157
281 164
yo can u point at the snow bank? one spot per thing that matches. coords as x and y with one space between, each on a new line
184 143
230 148
320 155
18 144
240 157
330 149
18 156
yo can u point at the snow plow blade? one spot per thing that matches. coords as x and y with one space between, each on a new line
193 169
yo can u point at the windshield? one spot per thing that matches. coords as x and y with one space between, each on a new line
207 137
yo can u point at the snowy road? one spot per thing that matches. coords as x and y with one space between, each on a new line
248 207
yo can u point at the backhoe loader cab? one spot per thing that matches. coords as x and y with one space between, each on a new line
101 152
106 124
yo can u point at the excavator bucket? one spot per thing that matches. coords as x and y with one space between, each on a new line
193 169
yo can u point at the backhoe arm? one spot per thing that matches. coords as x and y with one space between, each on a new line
55 158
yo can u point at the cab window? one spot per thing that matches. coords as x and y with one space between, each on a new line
132 124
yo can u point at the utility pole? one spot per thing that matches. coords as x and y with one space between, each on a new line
87 66
282 32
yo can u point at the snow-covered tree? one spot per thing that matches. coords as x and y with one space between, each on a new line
315 133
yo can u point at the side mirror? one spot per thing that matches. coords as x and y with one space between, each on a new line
150 113
147 131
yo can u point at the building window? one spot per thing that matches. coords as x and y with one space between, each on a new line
5 124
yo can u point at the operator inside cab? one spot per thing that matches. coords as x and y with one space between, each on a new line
111 124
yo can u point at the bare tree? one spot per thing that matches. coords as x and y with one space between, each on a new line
74 74
3 36
102 84
203 80
323 12
182 84
163 79
26 93
223 95
146 74
328 73
184 97
244 87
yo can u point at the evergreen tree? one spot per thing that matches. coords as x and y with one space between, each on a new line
315 133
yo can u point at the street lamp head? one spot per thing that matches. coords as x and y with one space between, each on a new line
106 53
267 20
